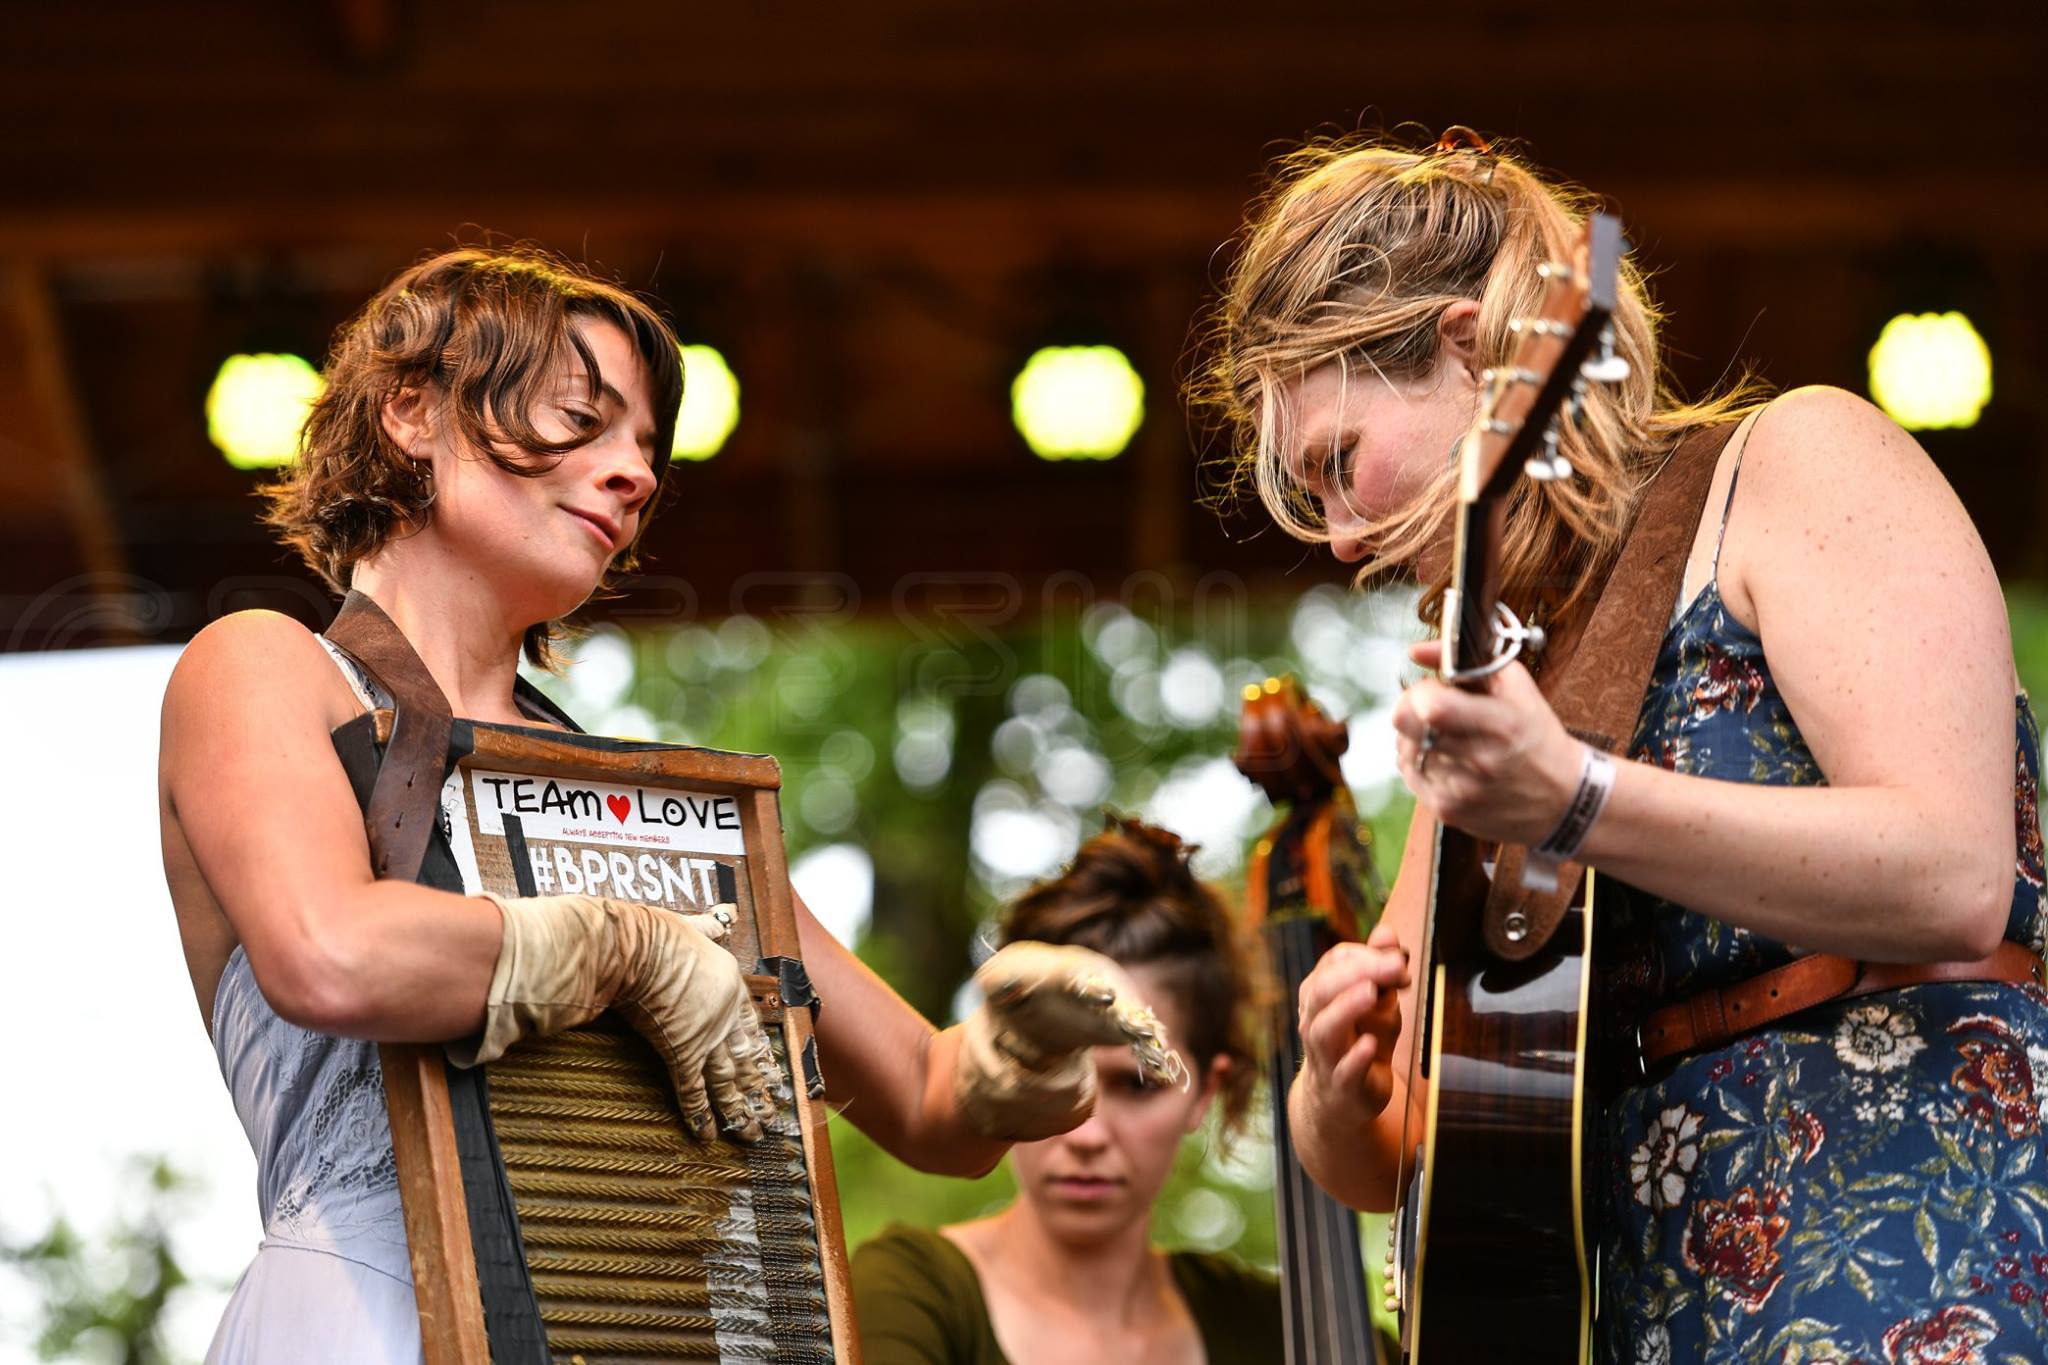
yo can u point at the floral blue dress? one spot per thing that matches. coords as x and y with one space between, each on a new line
1863 1182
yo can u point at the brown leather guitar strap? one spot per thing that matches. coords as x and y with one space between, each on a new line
405 801
1598 690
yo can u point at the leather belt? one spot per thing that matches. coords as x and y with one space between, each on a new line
1712 1017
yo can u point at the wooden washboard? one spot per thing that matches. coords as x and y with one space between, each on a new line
556 1207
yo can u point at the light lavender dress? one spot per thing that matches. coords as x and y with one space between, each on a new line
331 1283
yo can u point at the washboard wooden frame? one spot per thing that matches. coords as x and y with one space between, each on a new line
704 1241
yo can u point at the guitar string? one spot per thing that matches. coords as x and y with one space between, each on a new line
1399 1271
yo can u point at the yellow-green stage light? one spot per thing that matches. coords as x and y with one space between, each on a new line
257 405
1930 370
1077 402
711 404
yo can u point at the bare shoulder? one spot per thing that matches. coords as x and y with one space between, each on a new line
1830 484
255 661
261 638
1821 440
252 648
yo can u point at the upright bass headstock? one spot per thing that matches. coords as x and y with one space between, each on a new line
1312 861
1287 744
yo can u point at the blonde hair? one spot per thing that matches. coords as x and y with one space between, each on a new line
1351 258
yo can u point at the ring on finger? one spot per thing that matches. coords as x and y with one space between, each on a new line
1424 750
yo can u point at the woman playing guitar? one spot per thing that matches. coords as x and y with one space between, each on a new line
1827 1151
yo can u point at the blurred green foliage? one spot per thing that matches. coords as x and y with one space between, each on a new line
104 1298
968 756
2027 604
861 711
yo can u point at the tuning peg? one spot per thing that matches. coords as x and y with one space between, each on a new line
1604 366
1550 464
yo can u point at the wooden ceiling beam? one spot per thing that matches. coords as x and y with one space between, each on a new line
61 460
997 228
52 492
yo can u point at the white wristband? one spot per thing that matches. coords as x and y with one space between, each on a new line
1596 783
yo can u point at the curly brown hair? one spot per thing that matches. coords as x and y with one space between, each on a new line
1130 895
484 328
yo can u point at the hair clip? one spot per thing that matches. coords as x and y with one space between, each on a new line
1460 139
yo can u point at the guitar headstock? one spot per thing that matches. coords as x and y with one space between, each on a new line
1565 346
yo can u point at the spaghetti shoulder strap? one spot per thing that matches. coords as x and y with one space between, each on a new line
1740 440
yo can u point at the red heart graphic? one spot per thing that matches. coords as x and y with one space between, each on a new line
621 807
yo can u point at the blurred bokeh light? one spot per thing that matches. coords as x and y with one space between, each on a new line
257 405
1930 370
711 404
1077 402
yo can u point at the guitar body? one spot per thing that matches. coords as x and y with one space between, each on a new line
1497 1222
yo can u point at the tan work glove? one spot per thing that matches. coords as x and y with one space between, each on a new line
566 959
1025 1069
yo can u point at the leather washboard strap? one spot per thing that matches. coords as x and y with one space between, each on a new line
400 818
1598 691
406 798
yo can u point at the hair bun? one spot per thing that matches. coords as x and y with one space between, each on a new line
1130 894
1169 854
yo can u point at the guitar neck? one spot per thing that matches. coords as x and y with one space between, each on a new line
1475 585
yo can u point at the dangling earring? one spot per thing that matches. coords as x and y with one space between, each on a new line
425 472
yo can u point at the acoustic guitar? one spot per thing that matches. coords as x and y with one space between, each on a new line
1489 1248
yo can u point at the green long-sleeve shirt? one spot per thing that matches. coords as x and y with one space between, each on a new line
919 1302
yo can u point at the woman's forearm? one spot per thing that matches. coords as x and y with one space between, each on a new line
902 1095
941 1139
1870 872
1354 1156
387 961
887 1069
